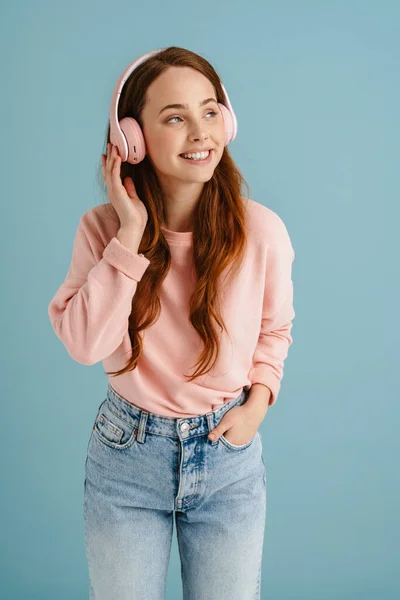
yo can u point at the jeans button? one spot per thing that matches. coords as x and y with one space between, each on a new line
184 426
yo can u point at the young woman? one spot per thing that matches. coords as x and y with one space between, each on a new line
176 267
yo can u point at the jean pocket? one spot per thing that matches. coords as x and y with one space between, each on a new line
236 448
112 430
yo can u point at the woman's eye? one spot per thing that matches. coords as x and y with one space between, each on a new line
209 112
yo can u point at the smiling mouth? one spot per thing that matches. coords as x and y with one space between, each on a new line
198 160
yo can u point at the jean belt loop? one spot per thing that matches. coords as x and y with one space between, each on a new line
142 426
211 425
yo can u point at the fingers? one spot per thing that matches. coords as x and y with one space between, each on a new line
115 164
223 426
110 159
111 164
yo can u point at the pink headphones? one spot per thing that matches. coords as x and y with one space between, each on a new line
127 134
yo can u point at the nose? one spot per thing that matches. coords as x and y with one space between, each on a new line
199 135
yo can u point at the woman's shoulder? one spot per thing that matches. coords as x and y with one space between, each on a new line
265 222
100 223
101 212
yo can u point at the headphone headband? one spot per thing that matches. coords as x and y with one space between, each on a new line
120 84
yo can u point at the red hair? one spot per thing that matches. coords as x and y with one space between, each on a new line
215 247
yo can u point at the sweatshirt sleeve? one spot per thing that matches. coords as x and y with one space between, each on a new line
90 310
278 312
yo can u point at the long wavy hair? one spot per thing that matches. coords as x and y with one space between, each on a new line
219 233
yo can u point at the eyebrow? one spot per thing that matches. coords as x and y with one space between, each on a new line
185 106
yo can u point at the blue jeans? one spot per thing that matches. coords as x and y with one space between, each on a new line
143 471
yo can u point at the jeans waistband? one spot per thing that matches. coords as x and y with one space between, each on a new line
183 427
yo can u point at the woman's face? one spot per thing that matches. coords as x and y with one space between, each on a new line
170 132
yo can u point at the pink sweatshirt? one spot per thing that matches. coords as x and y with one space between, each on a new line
90 310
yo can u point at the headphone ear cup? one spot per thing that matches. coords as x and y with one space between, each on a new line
136 145
228 123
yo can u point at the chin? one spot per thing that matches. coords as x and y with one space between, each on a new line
205 175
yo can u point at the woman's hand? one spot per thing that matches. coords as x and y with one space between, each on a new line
131 211
241 423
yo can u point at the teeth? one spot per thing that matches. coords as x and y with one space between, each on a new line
197 155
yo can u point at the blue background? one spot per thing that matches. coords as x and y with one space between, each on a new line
315 87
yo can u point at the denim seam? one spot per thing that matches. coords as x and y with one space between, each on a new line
115 445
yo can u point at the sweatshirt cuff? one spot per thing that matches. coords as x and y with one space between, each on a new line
126 261
261 374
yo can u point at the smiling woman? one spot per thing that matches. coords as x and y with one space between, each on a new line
182 287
